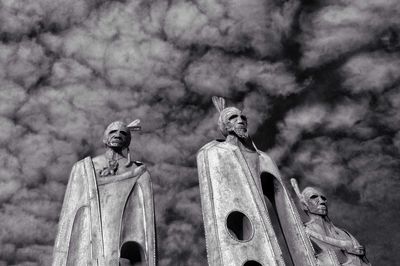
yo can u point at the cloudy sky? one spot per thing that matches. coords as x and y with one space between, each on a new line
319 81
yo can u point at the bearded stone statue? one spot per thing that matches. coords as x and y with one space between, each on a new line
107 218
333 246
249 215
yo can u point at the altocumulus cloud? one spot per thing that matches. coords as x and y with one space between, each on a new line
317 80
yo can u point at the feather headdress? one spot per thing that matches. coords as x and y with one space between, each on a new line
134 125
219 103
224 113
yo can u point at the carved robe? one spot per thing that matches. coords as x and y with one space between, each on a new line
106 222
332 243
249 215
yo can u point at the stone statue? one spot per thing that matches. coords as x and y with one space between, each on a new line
107 218
333 246
249 215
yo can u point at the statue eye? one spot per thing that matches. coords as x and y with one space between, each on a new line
313 196
322 197
112 131
244 118
233 117
124 133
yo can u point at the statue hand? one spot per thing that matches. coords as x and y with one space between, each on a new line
139 170
357 250
105 172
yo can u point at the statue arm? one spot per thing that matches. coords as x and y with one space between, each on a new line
350 246
138 171
342 244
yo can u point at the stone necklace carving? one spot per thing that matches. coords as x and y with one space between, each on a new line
112 164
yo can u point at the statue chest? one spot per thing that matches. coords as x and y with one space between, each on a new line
113 197
105 167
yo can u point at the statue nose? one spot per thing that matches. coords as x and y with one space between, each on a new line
118 135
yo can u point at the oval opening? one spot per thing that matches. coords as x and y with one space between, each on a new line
252 263
239 226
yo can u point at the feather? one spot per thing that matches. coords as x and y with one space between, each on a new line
134 125
219 103
297 190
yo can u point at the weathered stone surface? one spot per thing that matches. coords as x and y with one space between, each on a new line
334 246
249 215
107 217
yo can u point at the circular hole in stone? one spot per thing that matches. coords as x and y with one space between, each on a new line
252 263
239 226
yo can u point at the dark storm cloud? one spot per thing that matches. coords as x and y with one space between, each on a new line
337 28
68 68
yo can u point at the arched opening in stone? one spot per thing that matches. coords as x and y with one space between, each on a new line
239 226
252 263
132 254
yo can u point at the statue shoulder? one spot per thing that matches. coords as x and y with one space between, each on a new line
81 163
208 146
142 166
79 169
99 161
265 157
268 161
312 225
216 145
140 169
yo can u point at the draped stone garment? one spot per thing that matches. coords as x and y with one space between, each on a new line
105 223
333 243
234 195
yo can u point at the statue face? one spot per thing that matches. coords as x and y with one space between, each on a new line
117 135
236 122
316 201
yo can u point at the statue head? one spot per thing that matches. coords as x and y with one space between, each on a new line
231 120
117 135
315 201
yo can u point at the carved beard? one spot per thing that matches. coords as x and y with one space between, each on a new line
241 132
